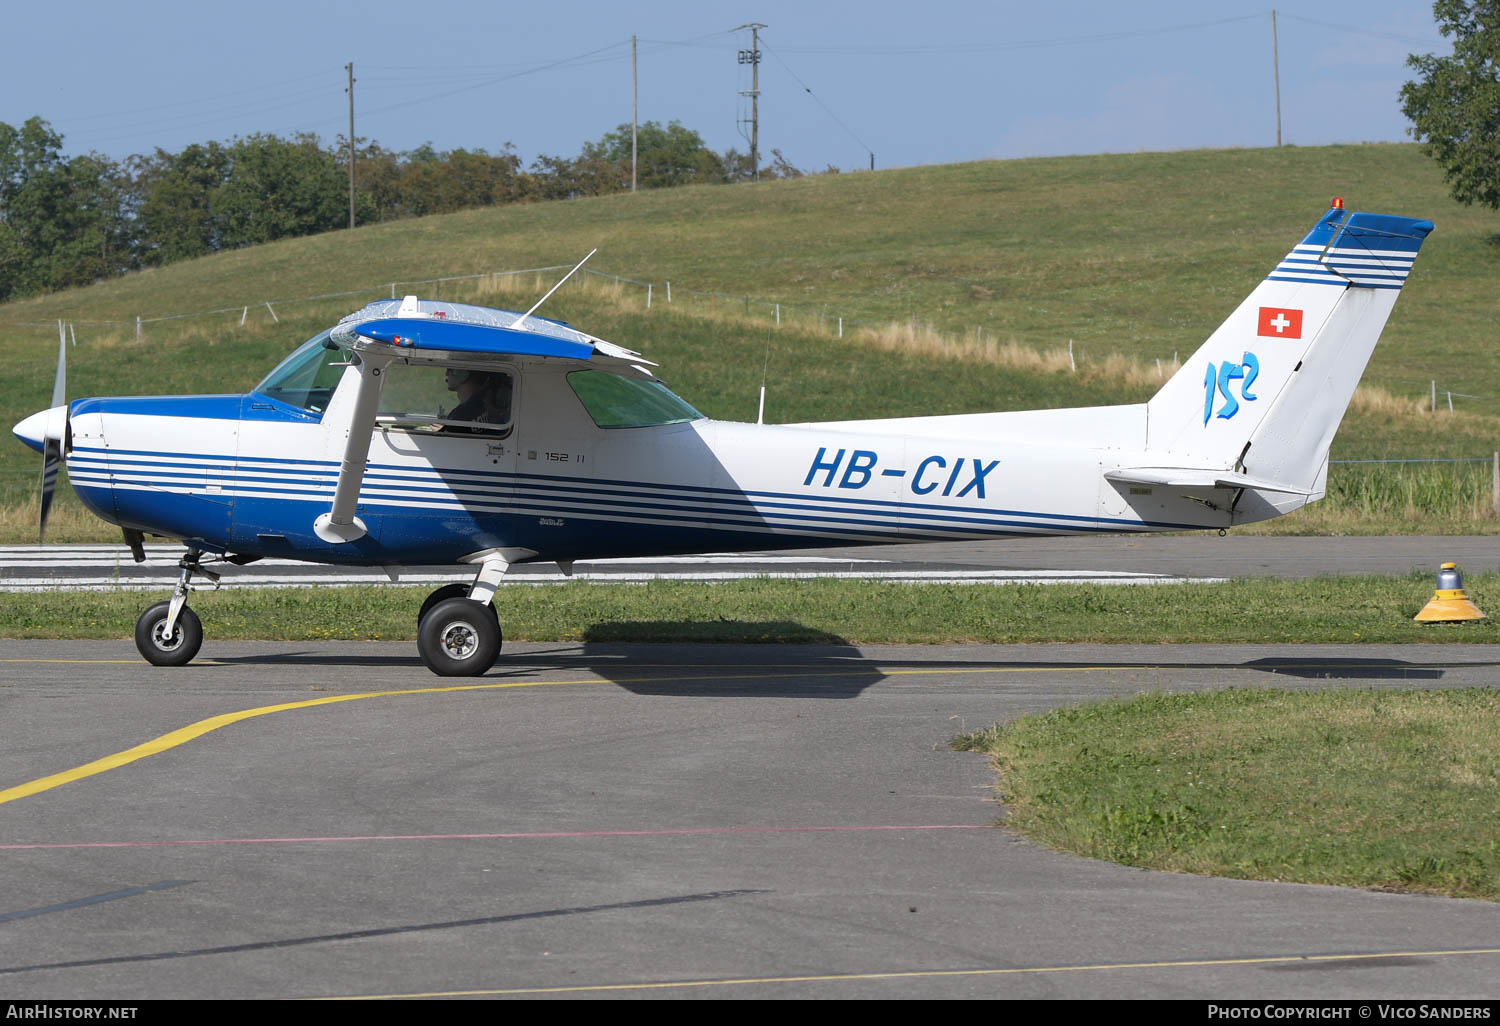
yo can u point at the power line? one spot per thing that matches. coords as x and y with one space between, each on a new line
808 90
259 92
1025 44
502 78
214 118
1363 31
691 41
447 81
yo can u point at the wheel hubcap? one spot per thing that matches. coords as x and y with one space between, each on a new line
459 640
161 641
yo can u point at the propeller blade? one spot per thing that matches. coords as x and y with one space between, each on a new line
57 429
51 460
60 383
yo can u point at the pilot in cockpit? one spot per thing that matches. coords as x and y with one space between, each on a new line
482 398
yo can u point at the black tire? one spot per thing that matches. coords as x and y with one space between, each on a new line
443 594
459 638
179 649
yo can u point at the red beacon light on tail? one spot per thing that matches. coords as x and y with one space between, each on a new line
1338 203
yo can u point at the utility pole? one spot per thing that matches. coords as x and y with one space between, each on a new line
350 68
752 58
634 129
1276 72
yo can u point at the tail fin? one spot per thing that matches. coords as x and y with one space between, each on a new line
1264 395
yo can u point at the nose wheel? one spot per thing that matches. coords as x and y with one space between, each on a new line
169 633
162 646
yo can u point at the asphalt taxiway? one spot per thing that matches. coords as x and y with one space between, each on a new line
330 820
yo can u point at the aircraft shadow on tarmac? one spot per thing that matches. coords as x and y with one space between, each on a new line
1344 668
732 658
742 659
785 659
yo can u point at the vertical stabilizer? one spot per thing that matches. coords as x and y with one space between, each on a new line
1266 392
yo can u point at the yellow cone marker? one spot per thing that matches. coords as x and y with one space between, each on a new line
1449 604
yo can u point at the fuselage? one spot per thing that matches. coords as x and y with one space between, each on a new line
248 474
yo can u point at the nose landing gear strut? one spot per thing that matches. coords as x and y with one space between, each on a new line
169 633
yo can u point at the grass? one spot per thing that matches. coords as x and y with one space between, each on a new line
1141 254
1370 610
967 282
1039 250
716 360
1384 498
1385 789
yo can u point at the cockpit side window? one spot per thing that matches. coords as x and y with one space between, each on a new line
614 401
306 379
446 400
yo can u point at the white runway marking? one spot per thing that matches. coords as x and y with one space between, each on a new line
40 568
167 555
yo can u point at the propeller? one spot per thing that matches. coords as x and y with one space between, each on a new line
56 428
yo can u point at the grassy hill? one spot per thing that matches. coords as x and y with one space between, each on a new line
1136 255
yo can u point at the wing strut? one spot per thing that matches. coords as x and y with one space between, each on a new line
340 524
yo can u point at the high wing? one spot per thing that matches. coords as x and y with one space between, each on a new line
440 333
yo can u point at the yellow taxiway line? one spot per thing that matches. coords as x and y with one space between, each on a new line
198 729
917 974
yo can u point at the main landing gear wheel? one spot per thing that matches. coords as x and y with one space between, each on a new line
161 649
459 638
443 594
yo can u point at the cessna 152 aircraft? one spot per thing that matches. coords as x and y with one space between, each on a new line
417 432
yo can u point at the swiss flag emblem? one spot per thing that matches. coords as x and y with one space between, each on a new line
1276 322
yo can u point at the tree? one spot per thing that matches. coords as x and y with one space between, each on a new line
440 183
62 222
176 219
1454 105
780 167
664 156
278 188
92 238
377 179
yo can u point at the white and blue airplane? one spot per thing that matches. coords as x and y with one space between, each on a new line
417 432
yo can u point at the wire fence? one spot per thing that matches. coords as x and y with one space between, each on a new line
828 322
141 320
1436 391
654 292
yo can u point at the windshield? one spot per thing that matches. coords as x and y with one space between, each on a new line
307 378
617 402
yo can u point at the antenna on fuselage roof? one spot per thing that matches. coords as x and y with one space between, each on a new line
522 319
760 414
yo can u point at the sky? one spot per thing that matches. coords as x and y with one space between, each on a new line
906 83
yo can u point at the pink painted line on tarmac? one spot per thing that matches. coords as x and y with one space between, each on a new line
494 837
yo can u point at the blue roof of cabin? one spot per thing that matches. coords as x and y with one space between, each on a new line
428 324
467 337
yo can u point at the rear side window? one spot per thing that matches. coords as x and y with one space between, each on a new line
619 402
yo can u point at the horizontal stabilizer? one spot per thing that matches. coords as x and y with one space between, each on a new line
1197 478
